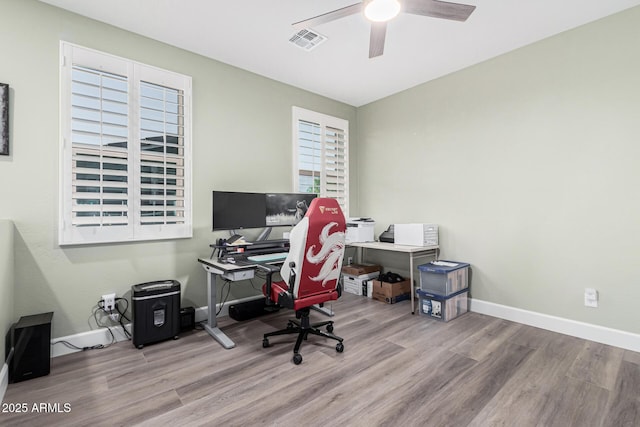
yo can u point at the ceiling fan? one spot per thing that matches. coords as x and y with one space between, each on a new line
379 12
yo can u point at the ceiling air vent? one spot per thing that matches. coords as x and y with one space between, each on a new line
307 39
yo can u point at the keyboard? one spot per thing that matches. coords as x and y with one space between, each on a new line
278 256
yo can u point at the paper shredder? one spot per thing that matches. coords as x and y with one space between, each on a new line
156 311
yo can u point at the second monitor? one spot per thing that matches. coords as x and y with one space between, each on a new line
286 209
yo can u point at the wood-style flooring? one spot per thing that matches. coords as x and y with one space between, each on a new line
397 369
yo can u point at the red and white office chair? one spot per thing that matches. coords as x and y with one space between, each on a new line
312 271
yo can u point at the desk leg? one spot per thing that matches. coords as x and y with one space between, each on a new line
324 310
413 290
212 323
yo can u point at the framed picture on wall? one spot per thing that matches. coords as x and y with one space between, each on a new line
4 119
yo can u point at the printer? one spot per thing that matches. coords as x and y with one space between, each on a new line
359 230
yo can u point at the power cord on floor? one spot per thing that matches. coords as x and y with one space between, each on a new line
96 310
123 314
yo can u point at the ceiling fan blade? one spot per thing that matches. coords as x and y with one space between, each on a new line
376 40
438 9
329 16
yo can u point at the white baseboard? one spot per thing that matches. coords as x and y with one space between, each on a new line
102 336
601 334
4 380
87 339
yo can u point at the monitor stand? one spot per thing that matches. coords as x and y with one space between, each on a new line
264 234
234 238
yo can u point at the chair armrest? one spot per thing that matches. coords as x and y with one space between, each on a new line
287 299
269 269
292 278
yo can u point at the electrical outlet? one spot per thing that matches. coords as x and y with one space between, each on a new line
109 302
590 297
350 260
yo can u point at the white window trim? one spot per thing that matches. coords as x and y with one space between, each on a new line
70 235
324 121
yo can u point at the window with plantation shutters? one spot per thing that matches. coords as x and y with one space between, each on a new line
125 150
321 155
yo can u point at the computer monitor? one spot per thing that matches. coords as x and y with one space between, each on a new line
286 209
235 210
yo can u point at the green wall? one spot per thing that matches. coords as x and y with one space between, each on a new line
529 163
6 282
241 139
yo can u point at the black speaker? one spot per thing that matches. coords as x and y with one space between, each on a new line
31 343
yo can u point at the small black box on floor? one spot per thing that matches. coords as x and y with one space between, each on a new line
30 340
156 311
250 309
187 318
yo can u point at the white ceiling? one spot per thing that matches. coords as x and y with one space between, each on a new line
253 35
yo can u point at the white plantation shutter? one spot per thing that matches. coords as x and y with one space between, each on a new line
321 155
308 142
99 154
162 169
335 165
125 156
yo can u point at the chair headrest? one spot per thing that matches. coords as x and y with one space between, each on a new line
326 208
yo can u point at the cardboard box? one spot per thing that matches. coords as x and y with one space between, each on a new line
360 269
358 285
391 292
416 234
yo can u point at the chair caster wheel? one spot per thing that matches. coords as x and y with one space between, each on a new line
329 328
339 347
297 358
265 343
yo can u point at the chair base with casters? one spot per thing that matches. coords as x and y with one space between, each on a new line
303 328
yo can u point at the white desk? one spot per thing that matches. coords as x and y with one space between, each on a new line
414 253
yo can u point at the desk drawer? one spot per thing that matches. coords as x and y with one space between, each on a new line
238 275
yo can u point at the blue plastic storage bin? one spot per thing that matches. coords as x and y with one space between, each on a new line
444 279
441 307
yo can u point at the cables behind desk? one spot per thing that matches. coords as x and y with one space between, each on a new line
227 285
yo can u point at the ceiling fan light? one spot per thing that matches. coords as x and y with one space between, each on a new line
381 10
